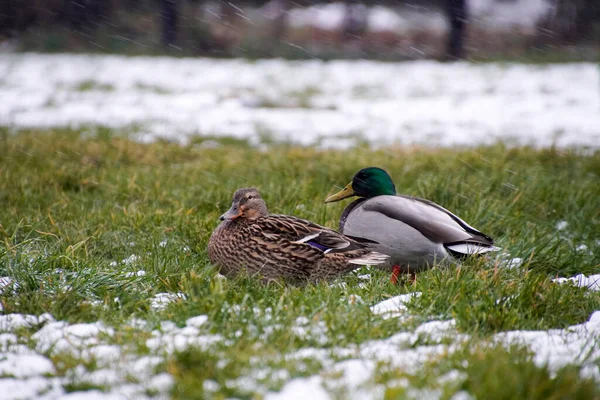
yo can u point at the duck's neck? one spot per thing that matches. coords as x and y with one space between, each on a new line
379 190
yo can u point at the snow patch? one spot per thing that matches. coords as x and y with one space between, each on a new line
355 299
161 300
196 322
514 263
556 348
301 389
561 225
329 104
137 273
13 322
591 282
27 373
131 259
394 307
181 339
25 365
31 388
79 340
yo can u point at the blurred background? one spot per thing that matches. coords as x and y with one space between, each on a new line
311 73
554 30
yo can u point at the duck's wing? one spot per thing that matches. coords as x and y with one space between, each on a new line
431 220
293 259
468 228
300 231
304 242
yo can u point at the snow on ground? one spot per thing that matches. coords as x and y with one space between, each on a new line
161 300
308 102
394 307
26 370
591 282
578 344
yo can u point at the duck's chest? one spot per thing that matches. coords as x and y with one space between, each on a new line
226 242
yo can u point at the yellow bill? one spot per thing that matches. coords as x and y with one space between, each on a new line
342 194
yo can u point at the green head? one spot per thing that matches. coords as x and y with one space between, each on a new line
368 182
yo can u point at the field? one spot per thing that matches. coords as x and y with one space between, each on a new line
107 292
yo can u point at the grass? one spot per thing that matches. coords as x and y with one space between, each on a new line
491 300
81 215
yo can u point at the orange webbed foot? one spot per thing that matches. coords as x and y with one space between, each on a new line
395 274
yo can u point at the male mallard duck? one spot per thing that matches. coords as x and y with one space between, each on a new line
282 246
414 232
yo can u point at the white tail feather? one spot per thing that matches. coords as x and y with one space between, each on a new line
307 238
372 258
472 248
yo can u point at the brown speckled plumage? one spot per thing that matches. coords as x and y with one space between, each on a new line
282 246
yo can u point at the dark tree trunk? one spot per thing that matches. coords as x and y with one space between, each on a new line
571 22
8 18
457 16
355 20
169 15
279 25
579 25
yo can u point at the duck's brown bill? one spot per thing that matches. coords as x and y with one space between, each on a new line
232 213
342 194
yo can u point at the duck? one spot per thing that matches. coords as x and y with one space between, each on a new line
282 247
416 233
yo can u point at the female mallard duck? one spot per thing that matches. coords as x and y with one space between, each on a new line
414 232
282 246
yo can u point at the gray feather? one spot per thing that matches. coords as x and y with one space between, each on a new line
414 232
